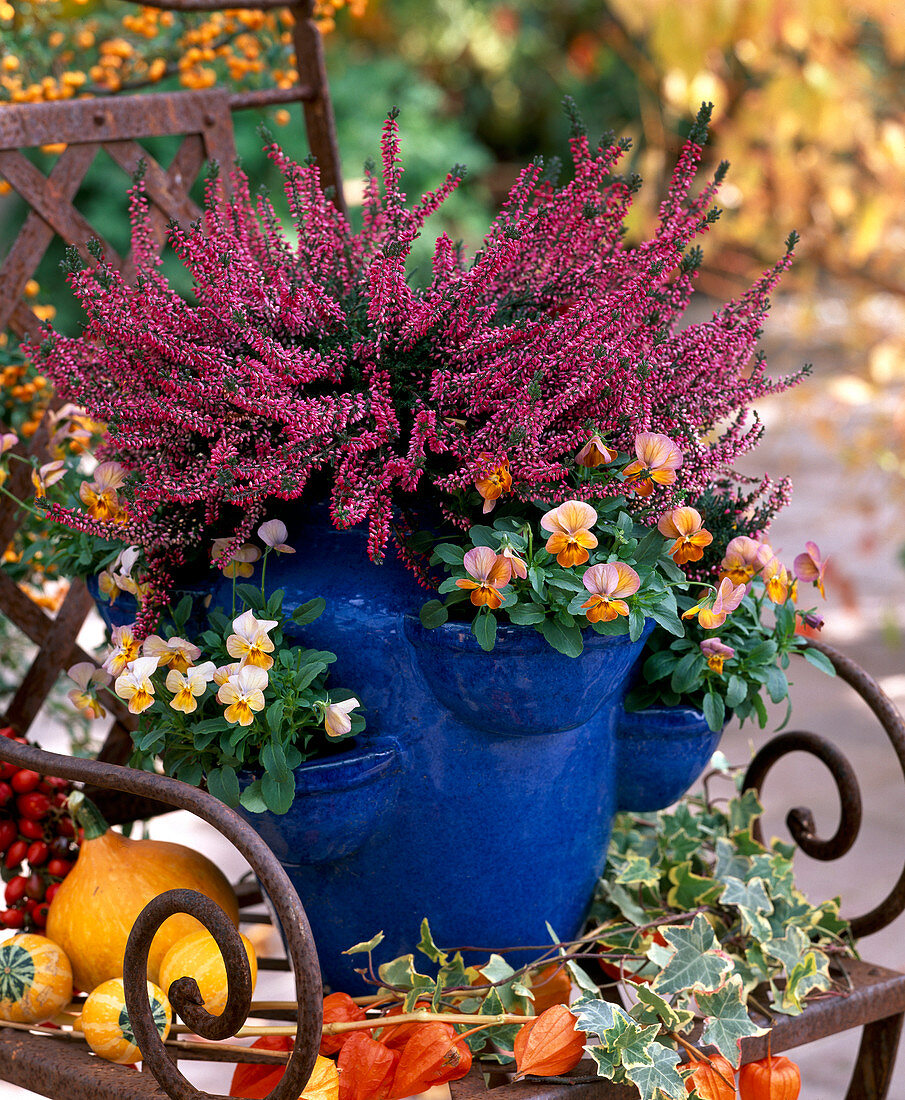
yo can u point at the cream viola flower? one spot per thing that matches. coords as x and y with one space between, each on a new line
8 440
135 684
249 641
337 722
273 534
244 694
48 474
186 686
174 652
241 562
88 677
222 674
123 649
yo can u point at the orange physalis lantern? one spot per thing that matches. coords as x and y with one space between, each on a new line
256 1081
366 1068
770 1079
395 1036
549 1044
551 986
432 1055
713 1080
339 1008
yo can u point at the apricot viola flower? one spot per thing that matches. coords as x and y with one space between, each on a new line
174 653
250 642
744 558
571 537
244 694
100 494
135 685
713 614
492 487
273 534
658 459
809 566
686 526
337 722
490 571
189 684
716 653
124 649
595 453
8 440
777 582
516 564
48 474
87 677
607 583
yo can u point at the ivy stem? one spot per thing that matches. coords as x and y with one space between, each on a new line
699 1056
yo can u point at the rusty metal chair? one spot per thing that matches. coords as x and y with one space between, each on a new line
56 1067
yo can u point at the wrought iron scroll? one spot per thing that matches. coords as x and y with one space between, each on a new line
184 992
800 820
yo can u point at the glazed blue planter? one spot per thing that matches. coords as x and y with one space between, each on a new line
482 792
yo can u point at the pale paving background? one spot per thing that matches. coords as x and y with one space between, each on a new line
856 512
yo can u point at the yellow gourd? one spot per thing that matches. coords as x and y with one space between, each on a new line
106 1025
113 879
35 979
198 956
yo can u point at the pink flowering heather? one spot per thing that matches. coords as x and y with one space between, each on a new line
318 358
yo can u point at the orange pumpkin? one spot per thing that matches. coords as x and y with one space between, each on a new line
113 879
198 956
770 1079
714 1081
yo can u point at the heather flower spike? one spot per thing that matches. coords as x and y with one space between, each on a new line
490 571
595 453
717 653
273 534
686 526
608 583
571 537
810 567
244 695
657 461
337 722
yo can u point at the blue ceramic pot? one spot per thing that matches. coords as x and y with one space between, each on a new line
482 791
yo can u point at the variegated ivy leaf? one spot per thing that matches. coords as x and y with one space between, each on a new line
744 810
788 950
637 871
697 964
652 1008
726 1020
729 864
749 895
401 974
657 1077
626 903
595 1015
366 946
428 947
810 974
689 890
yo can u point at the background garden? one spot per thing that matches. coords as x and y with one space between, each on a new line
808 108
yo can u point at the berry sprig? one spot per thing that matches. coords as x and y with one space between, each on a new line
38 842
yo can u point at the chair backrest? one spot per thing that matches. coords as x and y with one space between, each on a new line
117 125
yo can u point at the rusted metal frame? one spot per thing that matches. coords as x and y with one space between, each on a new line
872 1075
36 234
801 821
274 881
166 188
48 664
270 97
62 217
77 121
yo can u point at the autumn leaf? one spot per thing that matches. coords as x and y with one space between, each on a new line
258 1081
366 1068
549 1044
339 1008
